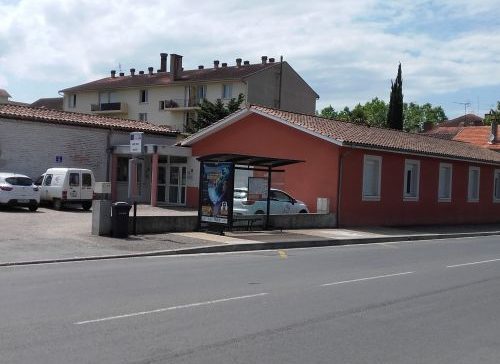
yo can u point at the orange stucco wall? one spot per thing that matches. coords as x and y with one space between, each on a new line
256 135
392 210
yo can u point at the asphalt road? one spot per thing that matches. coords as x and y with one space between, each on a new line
412 302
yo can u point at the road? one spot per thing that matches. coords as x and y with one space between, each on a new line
410 302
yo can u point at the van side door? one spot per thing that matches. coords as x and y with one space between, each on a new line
44 188
74 186
87 188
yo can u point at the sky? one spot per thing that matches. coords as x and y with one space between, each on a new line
347 50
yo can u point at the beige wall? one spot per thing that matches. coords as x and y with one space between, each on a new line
296 95
174 118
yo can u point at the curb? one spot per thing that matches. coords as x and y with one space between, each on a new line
258 246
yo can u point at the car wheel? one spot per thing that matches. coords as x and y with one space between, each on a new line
86 205
57 204
33 207
259 212
302 212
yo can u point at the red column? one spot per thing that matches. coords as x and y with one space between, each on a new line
114 174
154 179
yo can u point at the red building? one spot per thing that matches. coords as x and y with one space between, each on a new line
372 176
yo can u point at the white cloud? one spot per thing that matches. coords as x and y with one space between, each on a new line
347 50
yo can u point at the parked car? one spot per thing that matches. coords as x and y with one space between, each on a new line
281 203
60 186
18 190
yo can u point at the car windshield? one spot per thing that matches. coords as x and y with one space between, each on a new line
19 181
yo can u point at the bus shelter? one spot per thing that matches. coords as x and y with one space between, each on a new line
216 185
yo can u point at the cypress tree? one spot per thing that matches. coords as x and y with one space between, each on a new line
395 113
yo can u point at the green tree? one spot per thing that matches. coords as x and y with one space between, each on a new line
395 113
211 112
375 112
493 114
328 112
415 116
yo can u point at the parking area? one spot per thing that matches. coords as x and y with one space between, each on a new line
48 233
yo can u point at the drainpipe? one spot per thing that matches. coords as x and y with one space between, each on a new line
339 184
109 151
281 77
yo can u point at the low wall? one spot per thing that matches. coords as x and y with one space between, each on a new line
166 224
163 224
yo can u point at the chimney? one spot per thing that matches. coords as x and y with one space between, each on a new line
264 59
238 62
141 72
163 62
200 67
246 63
224 64
175 66
216 64
494 130
271 60
150 70
122 74
113 73
132 72
427 126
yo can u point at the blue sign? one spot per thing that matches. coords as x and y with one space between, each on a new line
58 158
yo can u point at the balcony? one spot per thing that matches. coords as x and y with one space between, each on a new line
109 108
179 104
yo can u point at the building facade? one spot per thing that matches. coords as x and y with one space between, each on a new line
172 97
371 176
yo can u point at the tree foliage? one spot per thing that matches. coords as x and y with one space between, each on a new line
211 112
395 113
374 113
493 114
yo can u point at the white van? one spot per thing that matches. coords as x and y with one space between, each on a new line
67 185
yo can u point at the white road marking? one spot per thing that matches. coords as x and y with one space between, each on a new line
196 304
472 263
366 279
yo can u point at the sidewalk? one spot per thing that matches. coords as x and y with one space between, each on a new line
83 246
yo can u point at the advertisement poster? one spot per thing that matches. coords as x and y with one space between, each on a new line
216 192
257 188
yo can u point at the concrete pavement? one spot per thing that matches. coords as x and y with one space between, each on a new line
58 236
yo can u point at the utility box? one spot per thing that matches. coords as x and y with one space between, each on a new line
323 205
102 187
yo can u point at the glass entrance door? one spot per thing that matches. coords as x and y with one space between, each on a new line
177 184
162 183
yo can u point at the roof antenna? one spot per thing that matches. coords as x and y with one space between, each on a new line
120 67
465 110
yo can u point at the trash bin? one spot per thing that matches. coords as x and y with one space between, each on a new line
119 219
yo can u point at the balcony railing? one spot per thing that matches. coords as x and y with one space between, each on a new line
170 104
109 107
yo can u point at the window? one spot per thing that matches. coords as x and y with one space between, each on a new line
161 105
108 97
122 170
372 166
74 180
86 180
496 186
48 180
444 189
227 92
143 116
72 101
473 187
201 93
143 96
412 177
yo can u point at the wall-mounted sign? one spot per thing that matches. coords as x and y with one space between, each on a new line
58 158
136 142
216 189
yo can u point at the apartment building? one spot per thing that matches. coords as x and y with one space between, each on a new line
172 97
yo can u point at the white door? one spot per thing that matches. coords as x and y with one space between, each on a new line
177 184
74 191
87 190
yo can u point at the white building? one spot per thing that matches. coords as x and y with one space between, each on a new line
172 98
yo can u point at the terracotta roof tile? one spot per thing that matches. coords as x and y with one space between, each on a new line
70 118
164 78
55 103
477 135
379 138
464 120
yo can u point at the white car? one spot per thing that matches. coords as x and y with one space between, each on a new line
18 190
281 203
